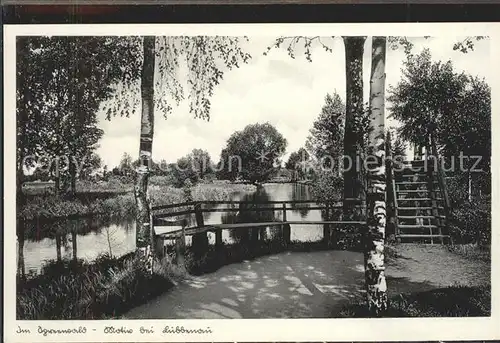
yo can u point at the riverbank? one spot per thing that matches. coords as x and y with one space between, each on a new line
99 290
428 280
109 287
117 199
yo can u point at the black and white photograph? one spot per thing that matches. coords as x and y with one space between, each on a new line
218 176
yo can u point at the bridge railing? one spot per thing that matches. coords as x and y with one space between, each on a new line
188 216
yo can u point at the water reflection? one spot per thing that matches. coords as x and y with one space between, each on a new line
300 192
75 238
87 238
249 212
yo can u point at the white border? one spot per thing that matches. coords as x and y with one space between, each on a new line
246 329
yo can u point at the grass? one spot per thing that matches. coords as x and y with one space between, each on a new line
107 287
51 206
455 301
103 289
471 251
115 198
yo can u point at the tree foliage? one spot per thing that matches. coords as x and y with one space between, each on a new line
427 92
326 137
204 57
468 129
61 84
433 98
299 164
193 167
253 153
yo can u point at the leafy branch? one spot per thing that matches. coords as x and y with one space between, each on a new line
467 44
291 44
205 58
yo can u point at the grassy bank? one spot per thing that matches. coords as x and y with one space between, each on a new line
117 199
103 289
109 287
456 301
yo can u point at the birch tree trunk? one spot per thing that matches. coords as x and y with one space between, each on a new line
20 200
143 228
376 196
354 109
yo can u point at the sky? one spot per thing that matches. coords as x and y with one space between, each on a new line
288 93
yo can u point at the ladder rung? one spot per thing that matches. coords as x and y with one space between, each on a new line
413 191
419 208
420 236
418 226
416 199
414 183
410 175
415 217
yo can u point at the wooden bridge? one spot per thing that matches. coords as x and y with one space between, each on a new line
418 210
179 215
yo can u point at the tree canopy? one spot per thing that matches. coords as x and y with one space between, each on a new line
326 137
253 153
434 98
205 57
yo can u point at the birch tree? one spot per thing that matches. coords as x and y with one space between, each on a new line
153 73
353 135
354 117
376 286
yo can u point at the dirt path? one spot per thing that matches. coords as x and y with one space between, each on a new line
300 285
422 267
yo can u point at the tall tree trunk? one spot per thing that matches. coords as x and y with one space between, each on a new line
390 201
58 247
376 196
21 123
74 244
354 110
19 221
72 175
144 245
57 180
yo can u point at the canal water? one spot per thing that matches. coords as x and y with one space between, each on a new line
96 236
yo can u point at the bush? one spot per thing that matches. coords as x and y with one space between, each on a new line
327 187
79 290
455 301
471 222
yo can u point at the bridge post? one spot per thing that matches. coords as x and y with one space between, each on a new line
180 246
157 242
326 227
218 238
200 240
285 227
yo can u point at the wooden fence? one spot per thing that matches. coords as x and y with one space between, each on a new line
178 214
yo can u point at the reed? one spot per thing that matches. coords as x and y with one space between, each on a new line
106 288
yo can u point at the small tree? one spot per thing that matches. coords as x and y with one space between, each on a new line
326 137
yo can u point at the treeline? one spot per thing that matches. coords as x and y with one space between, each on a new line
61 83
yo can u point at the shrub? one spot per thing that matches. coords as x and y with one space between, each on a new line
327 187
455 301
471 222
79 290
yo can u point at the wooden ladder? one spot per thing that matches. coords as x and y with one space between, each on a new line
420 208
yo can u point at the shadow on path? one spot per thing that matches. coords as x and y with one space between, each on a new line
304 285
287 285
